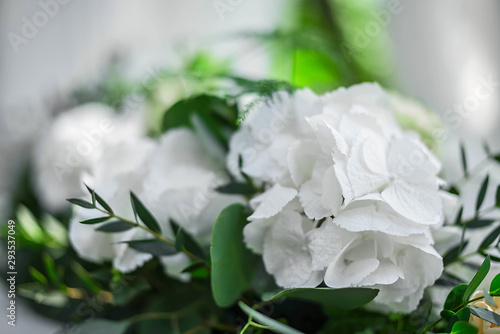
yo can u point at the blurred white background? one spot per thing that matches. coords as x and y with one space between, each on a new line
442 51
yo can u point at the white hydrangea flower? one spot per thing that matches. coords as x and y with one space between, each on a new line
343 163
72 145
174 178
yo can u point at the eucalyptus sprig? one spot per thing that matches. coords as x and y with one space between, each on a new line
158 246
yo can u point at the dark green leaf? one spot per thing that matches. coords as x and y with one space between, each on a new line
193 267
454 253
495 285
143 213
232 263
348 298
103 203
485 315
455 297
462 315
86 278
273 325
184 241
38 276
152 246
81 202
497 204
480 223
95 220
115 226
482 192
497 158
92 194
458 219
236 188
215 113
477 279
490 238
464 159
50 268
463 327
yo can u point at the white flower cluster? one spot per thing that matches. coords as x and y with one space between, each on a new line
350 197
175 178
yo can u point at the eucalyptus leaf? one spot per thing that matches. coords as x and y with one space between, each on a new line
103 203
115 226
236 188
452 254
347 298
477 279
152 246
81 202
144 214
482 192
489 299
272 324
233 265
95 220
490 238
485 315
464 158
480 223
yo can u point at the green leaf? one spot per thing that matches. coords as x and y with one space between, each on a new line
489 239
236 188
102 326
193 267
489 299
103 203
115 226
497 203
455 297
273 325
215 113
348 298
454 253
477 279
464 159
462 315
485 315
92 194
463 327
458 219
152 246
38 276
482 192
143 213
50 268
184 241
495 285
480 223
95 220
84 275
81 202
232 263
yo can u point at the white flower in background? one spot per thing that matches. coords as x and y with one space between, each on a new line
174 178
72 145
342 161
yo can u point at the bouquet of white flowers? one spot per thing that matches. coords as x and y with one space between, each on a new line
295 213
